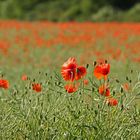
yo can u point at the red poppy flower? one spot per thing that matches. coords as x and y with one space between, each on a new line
36 87
24 77
104 90
126 86
69 69
81 72
101 71
86 82
4 84
70 88
112 101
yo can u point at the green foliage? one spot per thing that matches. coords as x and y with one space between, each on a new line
62 10
104 14
55 114
133 14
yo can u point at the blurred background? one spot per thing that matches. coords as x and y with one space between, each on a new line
72 10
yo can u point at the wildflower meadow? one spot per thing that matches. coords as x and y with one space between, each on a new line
69 80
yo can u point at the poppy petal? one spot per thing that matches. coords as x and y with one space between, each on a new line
68 70
81 72
70 88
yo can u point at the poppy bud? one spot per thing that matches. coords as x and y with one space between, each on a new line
87 66
94 63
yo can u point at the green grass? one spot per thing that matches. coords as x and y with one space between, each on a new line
55 114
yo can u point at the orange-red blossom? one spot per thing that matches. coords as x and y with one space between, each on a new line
101 71
24 77
71 71
112 101
4 84
104 90
36 87
70 88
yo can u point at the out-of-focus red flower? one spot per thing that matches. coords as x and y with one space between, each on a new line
4 84
86 82
112 101
81 72
69 69
70 88
102 70
104 90
126 86
24 77
36 87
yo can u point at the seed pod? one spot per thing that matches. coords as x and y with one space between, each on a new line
127 78
114 93
106 61
94 63
93 89
121 90
54 119
96 112
122 107
131 71
117 81
87 66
